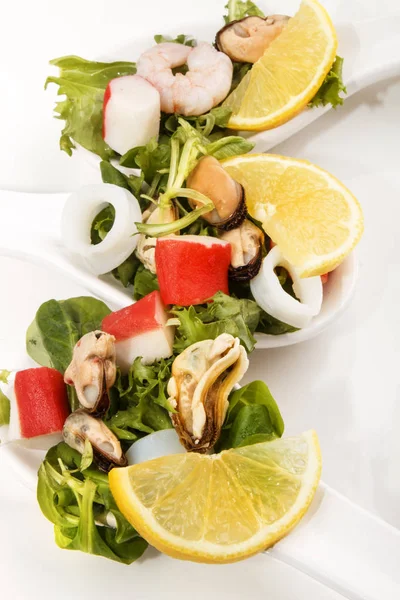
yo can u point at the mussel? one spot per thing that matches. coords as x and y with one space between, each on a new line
246 242
93 371
247 39
203 376
210 178
107 452
146 246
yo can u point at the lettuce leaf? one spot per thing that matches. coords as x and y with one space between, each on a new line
76 501
224 314
186 40
57 326
329 92
253 416
83 83
237 9
142 404
144 282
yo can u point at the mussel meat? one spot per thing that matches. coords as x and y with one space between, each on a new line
246 40
203 376
210 178
107 452
93 370
246 242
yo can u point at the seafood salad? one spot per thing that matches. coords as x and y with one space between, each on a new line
151 438
185 207
147 429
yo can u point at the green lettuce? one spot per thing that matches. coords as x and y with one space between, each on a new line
144 282
77 501
57 326
330 90
141 406
186 40
224 314
83 83
253 416
237 9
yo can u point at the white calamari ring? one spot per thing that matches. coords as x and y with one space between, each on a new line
157 444
79 212
271 297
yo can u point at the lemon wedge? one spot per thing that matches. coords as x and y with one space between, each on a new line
288 75
223 507
307 212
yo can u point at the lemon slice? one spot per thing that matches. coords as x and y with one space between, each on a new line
307 212
289 74
223 507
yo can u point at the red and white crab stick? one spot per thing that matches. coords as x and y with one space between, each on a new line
131 113
192 268
140 330
38 403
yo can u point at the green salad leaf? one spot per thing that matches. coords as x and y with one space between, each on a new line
4 409
224 314
58 325
186 40
4 401
143 400
144 282
4 375
79 503
237 9
83 83
253 416
331 88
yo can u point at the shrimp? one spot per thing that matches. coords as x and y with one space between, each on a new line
205 85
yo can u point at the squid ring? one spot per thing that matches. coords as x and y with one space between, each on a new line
80 210
270 295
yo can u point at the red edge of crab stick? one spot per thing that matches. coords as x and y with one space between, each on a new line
191 269
41 401
140 330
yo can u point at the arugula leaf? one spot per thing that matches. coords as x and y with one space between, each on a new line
150 158
223 314
144 282
77 501
83 83
186 40
58 325
253 416
143 392
132 183
102 224
126 272
232 145
332 86
238 10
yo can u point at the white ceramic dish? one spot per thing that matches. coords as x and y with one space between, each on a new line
40 241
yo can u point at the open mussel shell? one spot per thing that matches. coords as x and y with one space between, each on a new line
247 39
203 376
107 452
228 196
247 251
92 371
